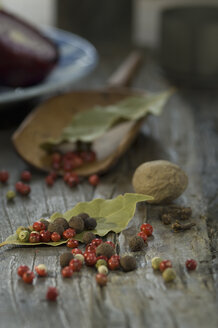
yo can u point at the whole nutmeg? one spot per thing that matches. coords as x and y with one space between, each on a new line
162 180
136 243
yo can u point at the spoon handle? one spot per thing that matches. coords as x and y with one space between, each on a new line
124 74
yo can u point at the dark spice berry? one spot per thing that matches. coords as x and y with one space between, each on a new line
4 176
90 223
52 294
113 263
28 277
76 251
77 224
49 180
83 216
143 236
88 237
191 264
41 270
90 259
147 229
24 190
72 243
45 222
97 241
136 243
76 265
128 263
18 185
65 259
62 222
56 227
105 249
164 265
45 236
38 226
26 176
67 272
34 237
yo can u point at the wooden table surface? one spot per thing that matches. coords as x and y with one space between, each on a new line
187 134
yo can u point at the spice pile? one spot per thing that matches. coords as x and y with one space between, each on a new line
173 214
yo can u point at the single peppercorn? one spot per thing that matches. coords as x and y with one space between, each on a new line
76 251
34 237
26 176
56 227
77 224
63 222
147 229
46 222
90 223
94 180
22 269
55 236
136 243
19 229
83 216
165 264
79 257
69 233
38 226
90 259
52 294
41 270
72 243
28 277
65 259
88 237
24 236
97 241
101 279
10 195
67 272
45 236
191 264
76 265
113 263
155 262
105 249
100 262
103 269
169 275
128 263
4 175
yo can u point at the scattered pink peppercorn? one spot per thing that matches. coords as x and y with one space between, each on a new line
22 269
41 270
102 257
52 294
18 185
90 259
191 264
69 233
96 242
88 156
49 180
67 272
73 180
34 237
4 176
91 248
28 277
55 236
26 176
165 265
142 235
38 226
24 190
113 263
76 265
72 243
56 158
116 256
101 279
45 236
76 251
147 229
53 175
94 180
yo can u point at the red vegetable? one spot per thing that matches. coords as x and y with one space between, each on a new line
27 56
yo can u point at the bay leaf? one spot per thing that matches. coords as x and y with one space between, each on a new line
89 125
110 214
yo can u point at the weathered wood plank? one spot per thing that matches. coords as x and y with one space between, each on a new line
186 133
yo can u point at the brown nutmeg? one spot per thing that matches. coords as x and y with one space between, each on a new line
63 222
128 263
77 224
88 237
65 259
105 249
90 223
136 243
56 227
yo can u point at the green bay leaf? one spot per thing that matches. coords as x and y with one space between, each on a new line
110 214
89 125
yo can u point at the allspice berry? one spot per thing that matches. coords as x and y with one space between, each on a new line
56 227
128 263
136 243
77 224
155 262
63 222
65 259
90 223
83 216
105 249
46 222
169 275
88 237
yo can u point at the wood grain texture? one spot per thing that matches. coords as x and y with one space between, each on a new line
187 134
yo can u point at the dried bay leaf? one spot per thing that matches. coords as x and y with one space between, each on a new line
111 215
91 124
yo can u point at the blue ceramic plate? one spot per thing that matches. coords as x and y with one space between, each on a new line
77 58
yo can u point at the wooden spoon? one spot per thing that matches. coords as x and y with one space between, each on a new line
50 117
